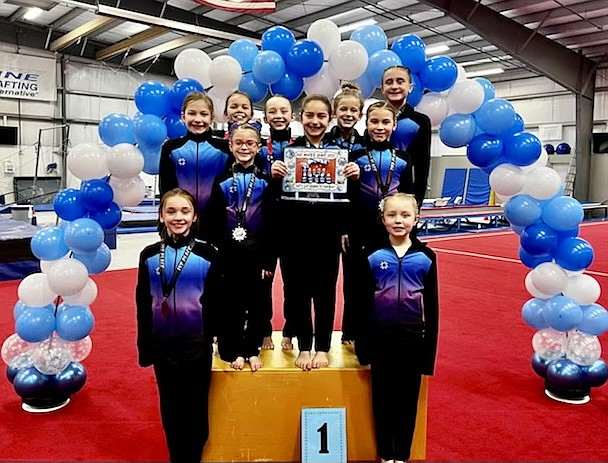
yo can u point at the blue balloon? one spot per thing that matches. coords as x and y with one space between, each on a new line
290 86
96 261
29 383
20 307
268 67
115 129
75 323
484 150
256 90
595 375
457 130
68 204
522 149
378 63
35 325
522 210
109 218
439 73
84 235
415 95
153 97
411 49
563 213
595 320
562 313
538 238
305 58
573 254
539 365
518 126
151 158
278 39
97 195
404 133
532 261
495 116
563 148
564 374
532 313
48 244
11 372
151 131
372 37
367 86
488 88
549 148
244 51
176 127
71 379
180 90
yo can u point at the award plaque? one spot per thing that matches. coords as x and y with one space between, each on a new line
315 174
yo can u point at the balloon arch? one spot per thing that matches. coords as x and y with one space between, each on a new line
53 317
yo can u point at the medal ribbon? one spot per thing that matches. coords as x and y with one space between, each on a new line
167 288
240 212
384 187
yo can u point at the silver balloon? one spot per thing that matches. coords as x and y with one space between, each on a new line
52 355
583 349
549 344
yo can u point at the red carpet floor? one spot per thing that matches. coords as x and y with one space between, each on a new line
485 403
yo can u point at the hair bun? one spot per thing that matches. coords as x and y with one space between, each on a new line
353 86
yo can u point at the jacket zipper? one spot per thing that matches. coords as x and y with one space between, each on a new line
175 288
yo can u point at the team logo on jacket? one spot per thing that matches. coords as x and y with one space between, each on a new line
384 265
157 270
181 161
367 168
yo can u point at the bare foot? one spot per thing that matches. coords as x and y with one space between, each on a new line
320 360
303 360
255 363
267 343
286 343
348 342
238 364
382 460
214 339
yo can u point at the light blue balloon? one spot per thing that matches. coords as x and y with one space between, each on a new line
532 313
378 63
49 244
488 88
35 325
151 159
20 307
495 116
439 73
84 235
457 130
256 90
268 67
522 210
562 313
372 37
96 261
244 51
563 213
75 323
595 319
367 86
116 128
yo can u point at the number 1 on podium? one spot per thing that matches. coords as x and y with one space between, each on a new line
323 435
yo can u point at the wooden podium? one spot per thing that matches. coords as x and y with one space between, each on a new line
255 417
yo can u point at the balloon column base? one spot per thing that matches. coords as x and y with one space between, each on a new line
44 406
571 396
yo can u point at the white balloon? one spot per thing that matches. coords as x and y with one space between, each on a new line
125 160
45 265
542 183
584 289
34 290
322 83
542 161
465 96
194 64
67 276
348 61
549 278
218 97
583 349
225 72
128 191
549 344
85 297
326 34
87 161
435 106
535 292
462 72
507 179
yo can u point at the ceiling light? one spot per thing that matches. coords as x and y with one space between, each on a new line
221 51
436 49
485 60
32 13
485 72
344 14
356 25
